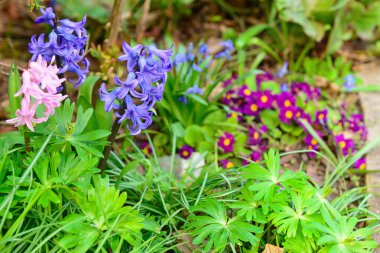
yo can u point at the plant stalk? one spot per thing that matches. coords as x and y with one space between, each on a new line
115 22
111 139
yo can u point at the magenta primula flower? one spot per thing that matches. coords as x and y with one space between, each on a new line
360 164
226 142
245 92
39 87
186 151
321 116
311 143
285 99
266 76
251 108
226 164
254 136
265 99
287 114
347 146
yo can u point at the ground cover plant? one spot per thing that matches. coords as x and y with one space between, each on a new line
137 145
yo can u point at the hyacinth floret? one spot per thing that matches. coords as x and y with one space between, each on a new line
144 85
40 84
66 42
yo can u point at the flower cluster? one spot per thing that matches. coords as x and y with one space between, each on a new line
135 96
39 87
66 43
247 104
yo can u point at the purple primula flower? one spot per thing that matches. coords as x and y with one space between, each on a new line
264 128
186 151
226 51
255 156
235 115
146 148
360 164
47 16
109 98
285 99
287 114
66 43
229 81
311 93
321 117
283 70
226 142
349 82
266 76
245 92
254 136
265 99
347 146
229 98
251 108
356 122
311 143
226 164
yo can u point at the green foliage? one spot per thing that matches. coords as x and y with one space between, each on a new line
14 84
218 229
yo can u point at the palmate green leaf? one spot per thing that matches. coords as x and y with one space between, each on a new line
218 229
300 244
341 235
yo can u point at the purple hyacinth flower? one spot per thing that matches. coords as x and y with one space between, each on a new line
186 151
226 51
138 116
226 142
360 164
47 16
265 99
254 136
284 87
108 98
131 55
287 114
285 99
321 117
283 70
183 99
347 146
349 82
226 164
194 90
203 50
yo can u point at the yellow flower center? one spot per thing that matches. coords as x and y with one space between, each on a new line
228 96
226 142
256 135
342 144
310 147
185 153
287 103
247 92
254 107
288 114
146 150
362 166
229 165
234 115
321 116
264 99
314 141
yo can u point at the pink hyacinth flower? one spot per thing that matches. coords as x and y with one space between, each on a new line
25 115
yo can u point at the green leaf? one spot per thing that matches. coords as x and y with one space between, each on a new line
248 34
86 88
270 118
14 85
193 135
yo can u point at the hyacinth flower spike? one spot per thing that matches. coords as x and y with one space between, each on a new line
134 97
